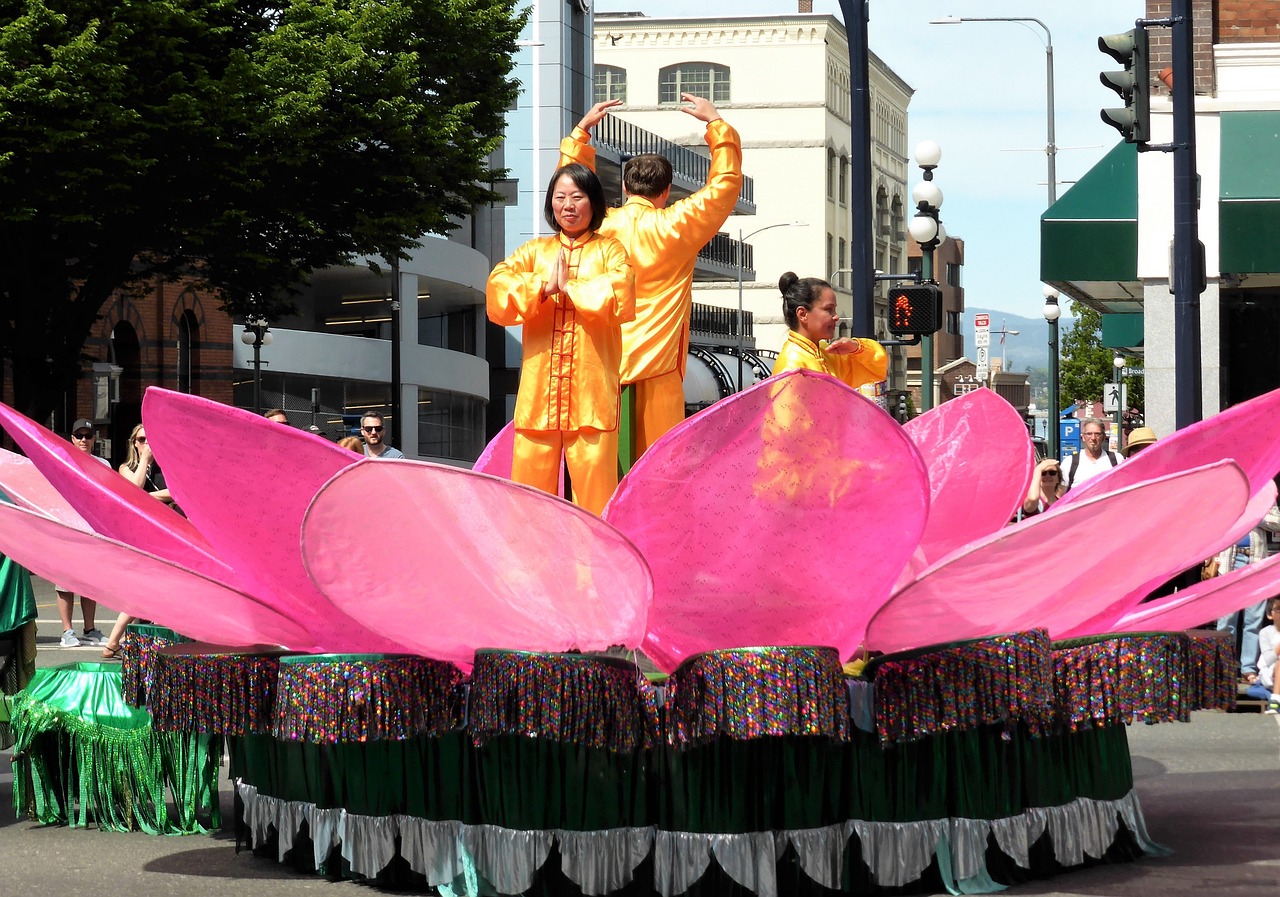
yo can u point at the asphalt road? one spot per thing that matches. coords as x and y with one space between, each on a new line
1210 790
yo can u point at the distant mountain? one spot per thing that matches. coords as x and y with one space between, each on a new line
1029 348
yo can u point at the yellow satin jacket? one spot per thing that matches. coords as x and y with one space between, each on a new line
868 366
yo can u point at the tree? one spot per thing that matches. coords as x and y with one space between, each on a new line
239 143
1086 367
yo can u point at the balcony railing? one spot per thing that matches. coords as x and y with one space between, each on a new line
717 323
629 140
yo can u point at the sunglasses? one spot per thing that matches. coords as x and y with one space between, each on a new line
141 439
82 436
373 429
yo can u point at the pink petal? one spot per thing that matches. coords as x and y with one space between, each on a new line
27 488
246 482
1056 571
979 459
1254 511
469 561
1205 601
1245 433
109 503
142 584
495 460
779 516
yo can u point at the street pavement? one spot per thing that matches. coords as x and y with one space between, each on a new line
1210 791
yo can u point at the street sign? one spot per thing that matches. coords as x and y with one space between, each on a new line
982 320
983 364
1115 397
982 337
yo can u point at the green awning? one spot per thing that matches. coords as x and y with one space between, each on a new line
1123 331
1249 199
1089 237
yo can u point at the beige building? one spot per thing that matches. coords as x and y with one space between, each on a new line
783 82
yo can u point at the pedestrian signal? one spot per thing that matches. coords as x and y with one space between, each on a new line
915 311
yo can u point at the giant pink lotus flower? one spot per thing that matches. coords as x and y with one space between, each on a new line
795 512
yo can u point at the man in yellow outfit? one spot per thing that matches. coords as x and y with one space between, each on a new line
663 243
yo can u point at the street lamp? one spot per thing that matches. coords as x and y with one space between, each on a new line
927 230
1051 314
1118 361
257 333
742 243
1051 146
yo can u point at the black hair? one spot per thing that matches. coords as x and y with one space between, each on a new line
585 180
797 293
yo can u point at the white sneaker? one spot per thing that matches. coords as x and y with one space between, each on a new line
69 639
93 637
1273 706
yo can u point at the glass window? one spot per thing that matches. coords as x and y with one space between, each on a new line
844 180
188 347
610 83
953 274
450 425
455 330
842 254
704 79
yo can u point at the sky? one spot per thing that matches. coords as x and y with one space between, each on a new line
980 94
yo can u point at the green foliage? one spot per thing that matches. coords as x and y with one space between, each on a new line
1086 366
243 143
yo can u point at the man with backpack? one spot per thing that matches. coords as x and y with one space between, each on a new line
1091 460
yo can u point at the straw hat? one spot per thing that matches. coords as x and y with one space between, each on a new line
1139 437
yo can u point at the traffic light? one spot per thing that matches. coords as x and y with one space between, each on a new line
915 311
1130 49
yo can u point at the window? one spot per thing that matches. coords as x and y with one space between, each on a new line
953 274
704 79
188 347
610 83
450 425
842 254
844 180
953 322
831 176
831 257
454 330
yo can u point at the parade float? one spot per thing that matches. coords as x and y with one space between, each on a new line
425 676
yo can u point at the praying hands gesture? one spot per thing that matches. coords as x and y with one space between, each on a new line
553 288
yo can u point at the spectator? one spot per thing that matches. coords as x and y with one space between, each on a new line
372 426
140 467
809 307
1091 460
1139 439
83 436
1266 688
1045 488
352 443
1245 624
277 415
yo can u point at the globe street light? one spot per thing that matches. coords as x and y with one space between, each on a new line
1052 312
742 245
927 230
257 333
1051 146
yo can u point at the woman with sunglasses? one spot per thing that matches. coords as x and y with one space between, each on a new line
1045 488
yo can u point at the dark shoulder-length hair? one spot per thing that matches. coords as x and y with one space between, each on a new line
585 179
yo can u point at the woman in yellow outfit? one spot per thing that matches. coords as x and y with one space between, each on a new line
809 306
571 292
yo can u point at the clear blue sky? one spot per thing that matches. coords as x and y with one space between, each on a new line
980 93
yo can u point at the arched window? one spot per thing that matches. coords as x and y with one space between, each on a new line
610 83
188 352
703 79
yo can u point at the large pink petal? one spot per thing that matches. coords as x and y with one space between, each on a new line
1246 433
979 459
779 516
109 503
27 488
142 584
495 460
246 482
1254 511
470 561
1205 601
1056 571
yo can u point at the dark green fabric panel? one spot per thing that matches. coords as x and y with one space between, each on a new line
1249 233
1108 190
1121 331
1088 251
1250 155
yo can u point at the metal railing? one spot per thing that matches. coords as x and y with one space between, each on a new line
628 140
715 321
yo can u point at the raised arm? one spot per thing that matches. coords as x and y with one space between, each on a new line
577 146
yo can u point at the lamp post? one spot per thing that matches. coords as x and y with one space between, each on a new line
742 244
927 230
257 333
1118 363
1051 314
1051 146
